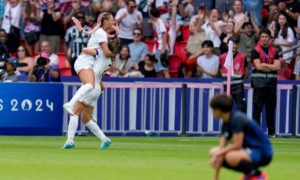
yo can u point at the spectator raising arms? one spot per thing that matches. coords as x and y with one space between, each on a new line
172 21
31 26
128 18
284 37
11 24
208 64
51 25
161 43
138 49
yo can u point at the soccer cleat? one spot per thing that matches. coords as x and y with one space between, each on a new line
262 176
105 144
69 146
67 107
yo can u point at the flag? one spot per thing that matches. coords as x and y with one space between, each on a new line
229 66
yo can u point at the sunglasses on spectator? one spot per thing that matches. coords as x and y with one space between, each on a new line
80 17
136 34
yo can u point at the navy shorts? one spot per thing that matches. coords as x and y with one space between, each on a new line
258 157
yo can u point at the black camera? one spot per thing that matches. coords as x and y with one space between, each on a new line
41 61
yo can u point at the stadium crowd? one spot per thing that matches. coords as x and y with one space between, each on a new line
160 38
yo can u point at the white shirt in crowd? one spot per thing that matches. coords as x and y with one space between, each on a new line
12 17
159 29
211 34
209 64
128 23
290 38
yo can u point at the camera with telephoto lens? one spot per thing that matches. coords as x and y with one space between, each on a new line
40 67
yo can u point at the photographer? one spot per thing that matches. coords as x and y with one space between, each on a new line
10 67
43 72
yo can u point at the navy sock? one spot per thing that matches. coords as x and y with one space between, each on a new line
244 167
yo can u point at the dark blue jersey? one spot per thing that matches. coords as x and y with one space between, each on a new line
254 137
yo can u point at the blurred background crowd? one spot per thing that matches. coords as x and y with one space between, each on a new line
160 38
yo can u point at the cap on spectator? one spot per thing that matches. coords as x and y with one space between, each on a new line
14 61
202 5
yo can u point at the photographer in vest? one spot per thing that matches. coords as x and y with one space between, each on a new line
265 60
240 73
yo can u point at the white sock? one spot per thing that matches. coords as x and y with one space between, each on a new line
80 93
72 128
96 130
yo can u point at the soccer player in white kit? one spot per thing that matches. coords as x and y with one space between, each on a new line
85 107
85 62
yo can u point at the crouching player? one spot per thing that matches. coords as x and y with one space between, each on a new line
243 145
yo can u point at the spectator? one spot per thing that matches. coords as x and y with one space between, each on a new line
43 71
51 25
73 10
297 70
161 44
198 20
284 37
124 66
76 41
46 48
248 37
297 65
24 58
128 18
138 49
31 27
213 29
238 9
4 54
224 6
173 22
264 80
240 73
10 74
11 24
208 64
147 67
229 32
291 8
186 10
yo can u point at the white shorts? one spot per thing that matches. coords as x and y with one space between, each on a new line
84 62
91 98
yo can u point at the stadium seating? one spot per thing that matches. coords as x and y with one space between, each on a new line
174 65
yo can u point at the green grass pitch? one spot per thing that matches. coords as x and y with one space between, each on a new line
141 158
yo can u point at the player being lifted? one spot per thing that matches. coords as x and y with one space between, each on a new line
83 102
243 145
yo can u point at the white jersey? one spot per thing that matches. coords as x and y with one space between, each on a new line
85 61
